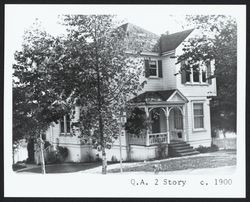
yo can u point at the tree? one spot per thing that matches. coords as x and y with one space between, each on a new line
219 43
108 76
87 67
37 98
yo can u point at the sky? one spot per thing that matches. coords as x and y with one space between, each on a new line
21 17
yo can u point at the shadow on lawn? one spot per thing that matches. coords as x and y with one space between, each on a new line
216 159
62 168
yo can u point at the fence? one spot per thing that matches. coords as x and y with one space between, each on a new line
225 143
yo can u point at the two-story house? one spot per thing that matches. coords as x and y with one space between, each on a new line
177 104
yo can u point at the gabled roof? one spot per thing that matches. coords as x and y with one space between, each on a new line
139 38
172 41
158 96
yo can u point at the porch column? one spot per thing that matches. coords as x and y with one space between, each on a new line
184 122
147 131
167 120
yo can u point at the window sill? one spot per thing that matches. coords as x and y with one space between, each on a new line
154 77
196 84
199 130
66 135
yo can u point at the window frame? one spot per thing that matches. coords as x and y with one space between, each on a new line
157 69
200 82
65 126
193 116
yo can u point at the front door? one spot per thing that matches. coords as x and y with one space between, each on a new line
176 124
156 124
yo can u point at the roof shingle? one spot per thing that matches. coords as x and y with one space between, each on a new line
162 95
172 41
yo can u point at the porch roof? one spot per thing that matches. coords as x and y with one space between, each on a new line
160 96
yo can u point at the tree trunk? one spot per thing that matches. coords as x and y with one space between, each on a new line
42 155
13 155
104 161
99 100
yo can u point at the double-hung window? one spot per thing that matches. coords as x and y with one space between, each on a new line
198 115
65 125
153 71
153 68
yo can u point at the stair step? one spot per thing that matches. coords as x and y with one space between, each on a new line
185 150
181 148
177 143
189 153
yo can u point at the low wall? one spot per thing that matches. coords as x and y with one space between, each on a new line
113 154
139 153
225 143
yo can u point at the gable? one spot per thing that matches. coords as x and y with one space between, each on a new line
177 96
172 41
160 96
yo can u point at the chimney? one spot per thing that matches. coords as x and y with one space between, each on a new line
167 32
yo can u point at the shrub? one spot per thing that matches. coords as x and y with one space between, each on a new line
52 157
62 153
114 159
203 149
162 150
57 156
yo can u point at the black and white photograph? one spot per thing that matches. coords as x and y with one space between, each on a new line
129 100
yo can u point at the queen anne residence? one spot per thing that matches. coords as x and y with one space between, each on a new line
177 105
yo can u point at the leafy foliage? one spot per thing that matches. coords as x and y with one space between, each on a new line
136 123
219 43
88 67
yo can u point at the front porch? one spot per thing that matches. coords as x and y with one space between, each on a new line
165 114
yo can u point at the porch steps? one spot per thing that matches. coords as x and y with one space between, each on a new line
181 148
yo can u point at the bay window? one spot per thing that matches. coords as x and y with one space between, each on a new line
199 75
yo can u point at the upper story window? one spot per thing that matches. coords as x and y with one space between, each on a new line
153 68
65 125
200 75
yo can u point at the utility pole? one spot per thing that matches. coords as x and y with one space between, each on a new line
122 121
120 140
42 154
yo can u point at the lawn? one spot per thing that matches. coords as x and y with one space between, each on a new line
63 168
212 160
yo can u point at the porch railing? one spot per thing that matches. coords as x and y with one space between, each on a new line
138 140
157 138
150 139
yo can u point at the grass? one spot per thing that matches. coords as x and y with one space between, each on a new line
215 159
16 167
63 168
